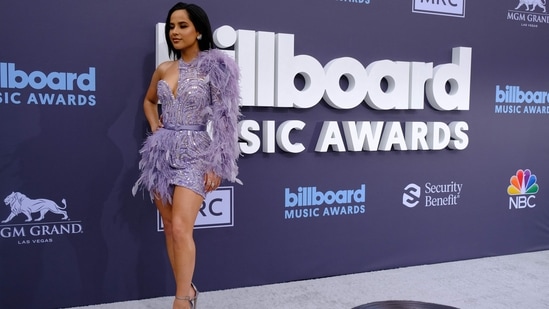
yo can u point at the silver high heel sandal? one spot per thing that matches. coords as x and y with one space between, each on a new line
193 300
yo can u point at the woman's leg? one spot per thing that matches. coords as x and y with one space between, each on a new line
185 207
165 211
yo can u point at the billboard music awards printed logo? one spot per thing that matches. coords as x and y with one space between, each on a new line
35 221
454 8
19 86
517 100
522 189
529 13
217 210
432 195
310 202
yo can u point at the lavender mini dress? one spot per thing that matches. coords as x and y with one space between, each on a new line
180 153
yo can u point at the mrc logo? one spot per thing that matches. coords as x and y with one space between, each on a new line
522 189
217 210
454 8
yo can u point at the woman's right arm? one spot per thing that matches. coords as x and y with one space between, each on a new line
150 103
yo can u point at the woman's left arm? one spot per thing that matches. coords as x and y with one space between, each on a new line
225 94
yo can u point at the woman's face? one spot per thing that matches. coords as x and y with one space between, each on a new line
182 32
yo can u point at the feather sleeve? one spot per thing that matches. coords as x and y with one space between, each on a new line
225 112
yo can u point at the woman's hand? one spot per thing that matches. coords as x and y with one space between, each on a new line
156 126
211 181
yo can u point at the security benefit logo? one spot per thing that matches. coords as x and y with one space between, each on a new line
529 13
217 210
522 189
432 194
36 221
310 202
455 8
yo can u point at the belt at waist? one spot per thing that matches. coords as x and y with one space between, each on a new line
187 127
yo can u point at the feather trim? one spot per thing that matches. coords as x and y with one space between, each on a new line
155 167
224 150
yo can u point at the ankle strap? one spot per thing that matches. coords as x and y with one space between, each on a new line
187 298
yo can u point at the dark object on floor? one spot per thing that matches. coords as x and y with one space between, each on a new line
402 304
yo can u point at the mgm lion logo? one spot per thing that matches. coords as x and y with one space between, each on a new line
533 3
21 204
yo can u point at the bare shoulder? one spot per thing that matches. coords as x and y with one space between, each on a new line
165 68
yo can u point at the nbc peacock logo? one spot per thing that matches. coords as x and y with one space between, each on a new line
522 189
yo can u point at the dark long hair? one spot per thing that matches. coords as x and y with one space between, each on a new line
201 23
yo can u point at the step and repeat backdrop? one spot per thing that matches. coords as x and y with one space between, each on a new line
375 135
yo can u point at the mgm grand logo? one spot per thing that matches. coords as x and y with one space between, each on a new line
35 229
530 13
530 5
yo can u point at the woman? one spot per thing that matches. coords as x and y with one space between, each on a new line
180 163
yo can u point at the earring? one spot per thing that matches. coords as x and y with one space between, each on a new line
199 37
